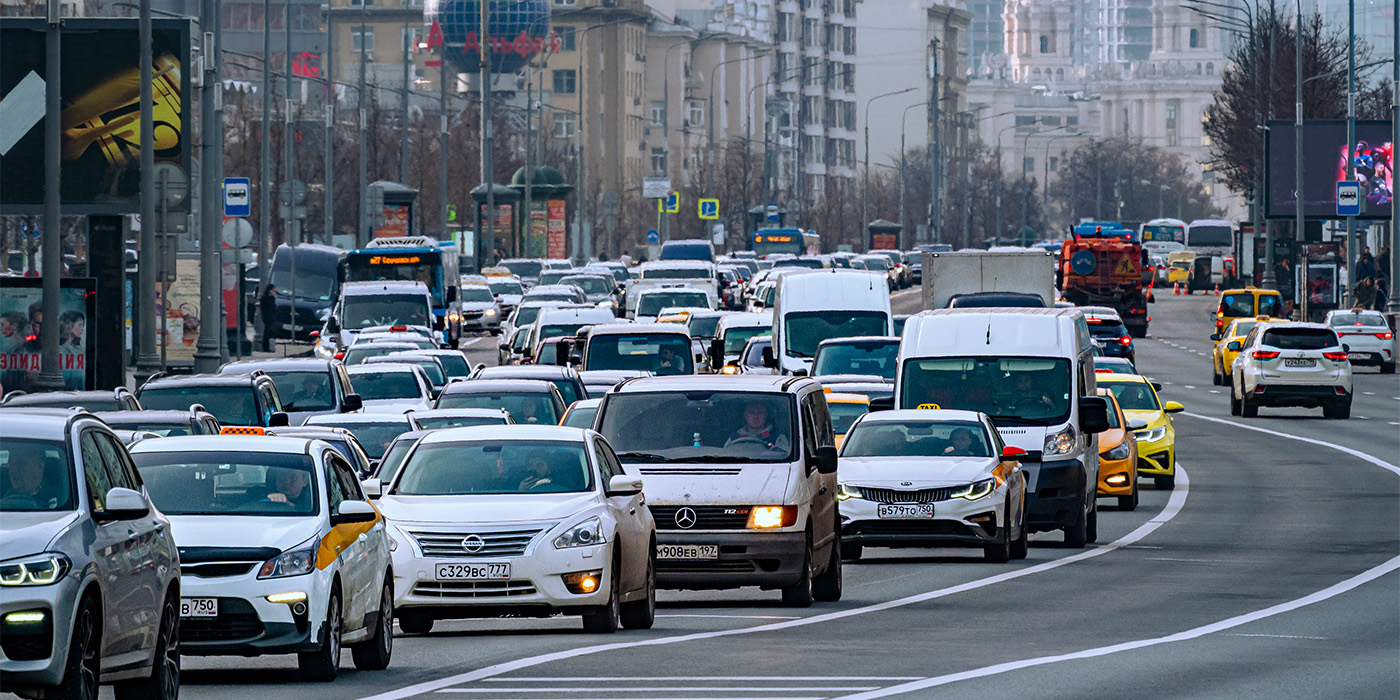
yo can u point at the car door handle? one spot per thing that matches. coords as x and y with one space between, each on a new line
822 491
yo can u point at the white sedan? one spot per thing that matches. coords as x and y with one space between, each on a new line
1366 336
526 520
931 478
391 387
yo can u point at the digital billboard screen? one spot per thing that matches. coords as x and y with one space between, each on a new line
1325 155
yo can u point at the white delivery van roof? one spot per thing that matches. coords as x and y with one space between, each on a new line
992 331
834 289
639 329
574 314
379 287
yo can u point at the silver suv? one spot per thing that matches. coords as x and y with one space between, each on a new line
89 572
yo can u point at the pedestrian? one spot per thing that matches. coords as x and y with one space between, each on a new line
267 309
1365 266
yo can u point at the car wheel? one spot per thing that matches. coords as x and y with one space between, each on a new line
164 681
1248 409
1341 410
1164 483
799 594
322 665
827 586
1234 403
1077 535
373 654
641 614
851 551
1216 378
1129 502
411 622
606 618
1091 524
1387 368
83 667
1021 546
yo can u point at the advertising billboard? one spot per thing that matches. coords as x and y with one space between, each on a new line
1325 156
100 90
21 321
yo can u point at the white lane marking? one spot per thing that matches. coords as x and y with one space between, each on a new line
614 679
726 697
1188 386
1347 450
1194 633
654 689
739 617
1368 393
1175 503
1275 636
1213 391
474 341
1361 417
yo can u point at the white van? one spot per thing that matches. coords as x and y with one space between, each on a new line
364 305
565 321
658 348
822 305
661 273
1032 372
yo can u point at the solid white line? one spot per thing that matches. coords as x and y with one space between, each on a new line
653 689
1347 450
1275 636
767 697
474 341
1175 502
653 679
740 617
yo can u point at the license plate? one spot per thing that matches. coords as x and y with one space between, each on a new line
472 572
199 607
1358 356
904 510
687 551
1299 362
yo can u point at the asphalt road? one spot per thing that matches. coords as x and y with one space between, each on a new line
1270 572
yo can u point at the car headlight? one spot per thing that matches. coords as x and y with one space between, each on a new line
323 314
1119 452
1152 435
323 351
38 570
769 517
297 561
975 490
584 534
844 492
1061 443
490 312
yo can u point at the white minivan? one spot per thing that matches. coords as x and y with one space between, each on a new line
822 305
1032 372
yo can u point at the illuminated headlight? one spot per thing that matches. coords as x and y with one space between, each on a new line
1119 452
297 561
769 517
1117 480
38 570
584 534
1152 435
844 492
490 312
1061 443
323 351
454 317
974 491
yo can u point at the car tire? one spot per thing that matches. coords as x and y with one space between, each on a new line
1234 403
1130 502
606 618
164 681
852 551
323 665
1339 411
1216 378
1164 483
1021 546
83 667
1091 524
641 614
411 622
1387 368
1077 535
1247 408
827 587
799 594
374 653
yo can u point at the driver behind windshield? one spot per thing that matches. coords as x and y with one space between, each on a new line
291 486
756 428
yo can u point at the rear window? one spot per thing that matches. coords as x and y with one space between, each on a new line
1367 318
1300 338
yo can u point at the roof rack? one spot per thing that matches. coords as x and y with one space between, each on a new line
402 242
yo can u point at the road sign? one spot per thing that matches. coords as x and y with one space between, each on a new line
653 237
293 192
1348 198
772 213
670 204
709 208
172 186
238 199
655 187
237 233
1082 262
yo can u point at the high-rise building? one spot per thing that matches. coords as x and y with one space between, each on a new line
815 96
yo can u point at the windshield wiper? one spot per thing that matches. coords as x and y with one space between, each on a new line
643 457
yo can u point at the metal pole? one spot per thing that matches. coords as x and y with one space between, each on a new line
1393 276
328 216
50 374
292 222
265 160
206 355
488 168
403 108
362 227
865 191
147 360
527 235
442 142
1344 295
1269 281
221 319
1302 290
935 201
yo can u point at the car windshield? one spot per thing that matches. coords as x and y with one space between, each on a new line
436 377
454 364
917 438
844 414
526 315
310 284
1269 304
163 429
863 357
1237 304
1242 328
393 459
580 417
1023 390
35 476
754 356
702 326
589 284
1366 318
374 437
444 422
360 352
553 276
505 286
552 296
523 268
876 263
304 391
670 273
372 385
364 311
804 330
533 407
558 330
232 405
736 338
496 467
229 483
1113 412
701 426
652 304
658 353
1299 338
1134 396
477 293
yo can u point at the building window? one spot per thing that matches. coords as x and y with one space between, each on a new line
658 160
1044 44
1210 69
562 3
1071 121
565 125
695 112
1173 107
1049 120
362 3
658 113
1054 164
566 38
365 42
1028 164
1024 122
1195 39
565 82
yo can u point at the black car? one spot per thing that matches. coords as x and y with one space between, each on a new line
1111 335
194 421
119 399
235 399
308 386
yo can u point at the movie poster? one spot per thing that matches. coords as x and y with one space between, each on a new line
21 321
181 314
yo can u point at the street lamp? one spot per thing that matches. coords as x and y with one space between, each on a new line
1161 208
1025 185
710 177
1045 186
865 193
903 125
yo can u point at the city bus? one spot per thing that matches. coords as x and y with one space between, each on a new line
1163 231
793 241
415 259
1210 235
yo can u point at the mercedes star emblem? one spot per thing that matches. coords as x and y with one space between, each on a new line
685 518
473 543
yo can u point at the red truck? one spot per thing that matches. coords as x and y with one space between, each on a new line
1103 266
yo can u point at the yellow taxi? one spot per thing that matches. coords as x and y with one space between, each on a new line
1179 266
844 410
1118 456
1156 441
1227 345
1249 302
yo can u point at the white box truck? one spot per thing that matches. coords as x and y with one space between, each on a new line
997 277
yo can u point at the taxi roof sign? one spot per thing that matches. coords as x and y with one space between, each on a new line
241 430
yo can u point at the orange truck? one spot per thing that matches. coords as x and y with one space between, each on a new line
1102 265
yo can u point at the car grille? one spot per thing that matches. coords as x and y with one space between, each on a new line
706 517
236 621
473 589
897 496
676 471
910 528
715 566
499 543
471 314
217 569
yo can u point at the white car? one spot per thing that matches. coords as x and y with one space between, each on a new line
931 478
527 520
1366 337
480 310
1291 364
279 551
391 387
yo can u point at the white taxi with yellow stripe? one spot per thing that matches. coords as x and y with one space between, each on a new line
280 551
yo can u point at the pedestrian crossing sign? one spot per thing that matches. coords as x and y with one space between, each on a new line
670 204
709 208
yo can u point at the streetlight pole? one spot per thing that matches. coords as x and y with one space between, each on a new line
362 228
1045 186
1393 275
903 127
710 176
147 361
865 189
666 121
1351 144
206 356
50 374
1301 291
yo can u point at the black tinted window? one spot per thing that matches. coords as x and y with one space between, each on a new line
1300 338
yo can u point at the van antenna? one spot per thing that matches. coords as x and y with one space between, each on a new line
989 332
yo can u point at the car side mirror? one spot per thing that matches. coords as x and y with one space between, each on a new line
1156 386
1012 454
881 403
624 485
279 419
825 459
1215 337
354 512
124 504
1173 407
315 334
799 372
716 354
373 487
333 324
351 403
562 352
1233 346
1093 414
1137 424
768 360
